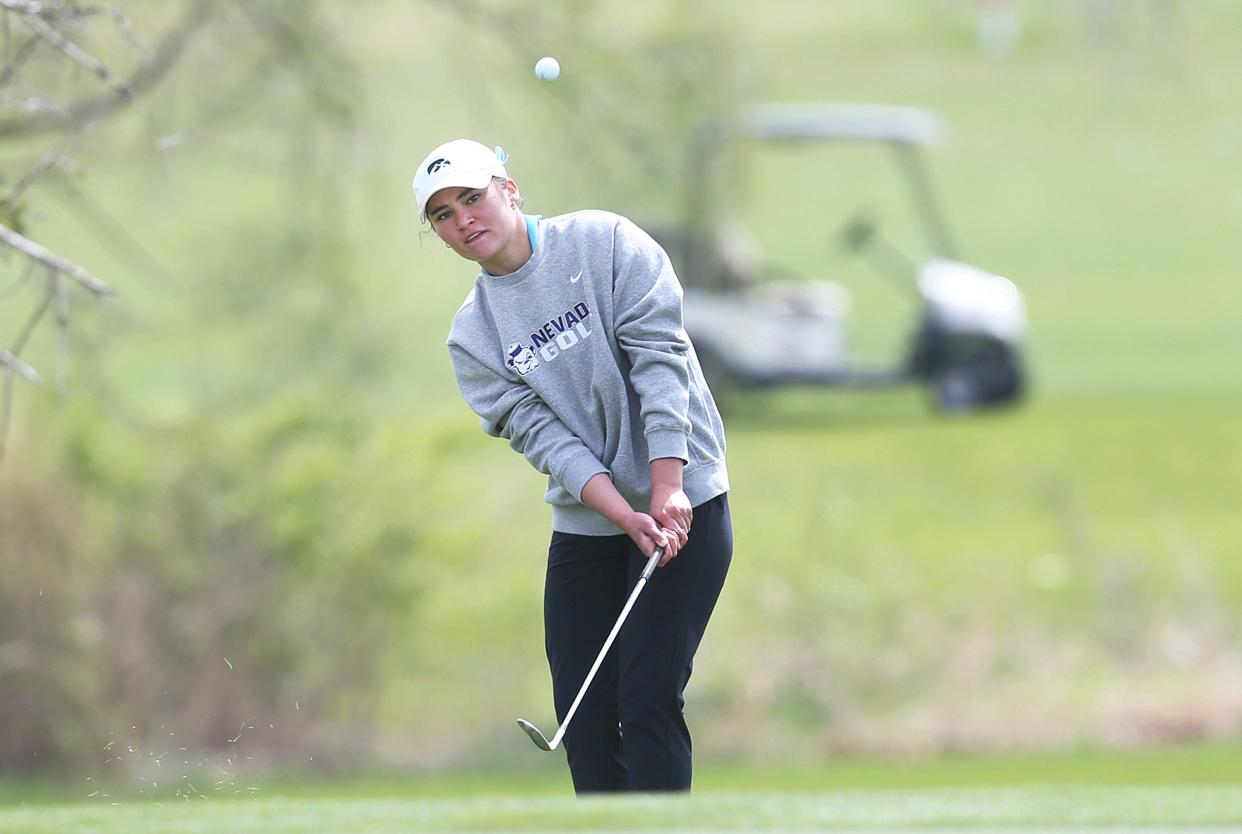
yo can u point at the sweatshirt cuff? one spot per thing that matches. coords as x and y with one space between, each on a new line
667 443
580 469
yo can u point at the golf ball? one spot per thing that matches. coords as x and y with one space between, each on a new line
547 68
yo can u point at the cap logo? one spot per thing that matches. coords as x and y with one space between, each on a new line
437 165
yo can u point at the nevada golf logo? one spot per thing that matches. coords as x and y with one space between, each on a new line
566 331
520 358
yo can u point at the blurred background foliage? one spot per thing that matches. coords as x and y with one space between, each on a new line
258 524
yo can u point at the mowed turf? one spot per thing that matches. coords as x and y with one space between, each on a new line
1044 808
1179 788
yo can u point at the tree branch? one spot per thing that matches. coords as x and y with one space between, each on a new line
78 55
49 160
62 328
19 60
8 360
97 107
6 389
52 261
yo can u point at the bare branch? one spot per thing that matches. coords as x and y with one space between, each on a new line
35 317
21 7
33 106
50 159
147 76
77 54
58 11
53 261
6 390
20 281
62 327
123 26
19 60
15 363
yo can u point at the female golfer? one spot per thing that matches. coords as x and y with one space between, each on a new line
571 347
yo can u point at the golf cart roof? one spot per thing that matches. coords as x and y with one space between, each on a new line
869 122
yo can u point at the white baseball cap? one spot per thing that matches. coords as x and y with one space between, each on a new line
461 163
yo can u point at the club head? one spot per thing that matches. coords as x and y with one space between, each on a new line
535 736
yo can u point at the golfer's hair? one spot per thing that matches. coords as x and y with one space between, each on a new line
500 181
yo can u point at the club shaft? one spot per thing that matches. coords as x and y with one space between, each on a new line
612 635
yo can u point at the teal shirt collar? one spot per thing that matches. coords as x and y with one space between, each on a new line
532 232
532 229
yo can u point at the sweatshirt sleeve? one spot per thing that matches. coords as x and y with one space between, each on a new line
509 408
647 308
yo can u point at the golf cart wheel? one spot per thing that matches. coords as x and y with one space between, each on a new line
983 380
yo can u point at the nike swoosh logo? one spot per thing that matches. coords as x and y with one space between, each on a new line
575 279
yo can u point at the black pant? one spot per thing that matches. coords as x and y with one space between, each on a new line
629 732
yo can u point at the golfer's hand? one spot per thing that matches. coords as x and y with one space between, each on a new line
601 495
648 535
671 509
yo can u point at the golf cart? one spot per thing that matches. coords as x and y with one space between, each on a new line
966 342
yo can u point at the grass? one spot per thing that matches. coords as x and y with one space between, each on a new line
1009 809
1086 790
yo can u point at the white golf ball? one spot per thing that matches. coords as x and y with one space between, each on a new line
547 68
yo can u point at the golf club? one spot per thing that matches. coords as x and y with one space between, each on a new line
541 741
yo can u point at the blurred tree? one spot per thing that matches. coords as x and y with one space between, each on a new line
67 69
199 572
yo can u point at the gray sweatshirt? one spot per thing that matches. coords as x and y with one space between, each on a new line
579 359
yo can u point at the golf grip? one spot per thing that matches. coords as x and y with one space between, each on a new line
625 612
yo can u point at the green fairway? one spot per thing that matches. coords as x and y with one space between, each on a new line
1179 787
1050 808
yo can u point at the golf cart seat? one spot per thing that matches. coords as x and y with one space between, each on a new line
750 332
772 332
